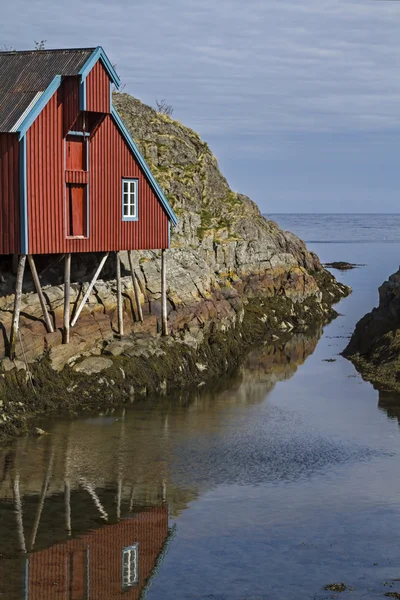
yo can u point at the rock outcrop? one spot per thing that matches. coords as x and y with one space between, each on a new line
374 347
223 253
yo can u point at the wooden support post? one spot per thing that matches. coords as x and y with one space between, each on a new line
89 290
164 325
17 305
42 299
135 287
67 295
119 298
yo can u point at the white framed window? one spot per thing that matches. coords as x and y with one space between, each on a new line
130 563
130 189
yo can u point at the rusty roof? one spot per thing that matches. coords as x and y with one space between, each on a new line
24 75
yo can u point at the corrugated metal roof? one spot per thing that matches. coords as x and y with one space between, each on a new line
24 74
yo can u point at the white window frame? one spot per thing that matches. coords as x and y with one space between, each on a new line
130 197
130 566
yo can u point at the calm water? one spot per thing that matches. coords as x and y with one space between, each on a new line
284 480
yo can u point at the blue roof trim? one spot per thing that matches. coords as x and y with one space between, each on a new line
136 152
99 54
39 106
23 203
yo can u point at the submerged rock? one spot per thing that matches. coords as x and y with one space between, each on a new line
374 347
336 587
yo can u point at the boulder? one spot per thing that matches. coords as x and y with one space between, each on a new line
92 365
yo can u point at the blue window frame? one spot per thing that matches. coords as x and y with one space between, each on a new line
130 565
130 198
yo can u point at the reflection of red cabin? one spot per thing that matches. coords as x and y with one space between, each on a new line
65 157
96 565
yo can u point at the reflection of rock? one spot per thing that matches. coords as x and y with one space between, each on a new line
374 347
390 402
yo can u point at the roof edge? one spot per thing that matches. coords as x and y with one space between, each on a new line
99 54
138 155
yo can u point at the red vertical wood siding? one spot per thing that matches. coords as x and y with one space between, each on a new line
9 194
50 572
71 102
98 90
45 179
109 161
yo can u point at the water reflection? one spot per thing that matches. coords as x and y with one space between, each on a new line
84 511
390 403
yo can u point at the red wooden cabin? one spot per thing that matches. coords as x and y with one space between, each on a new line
71 177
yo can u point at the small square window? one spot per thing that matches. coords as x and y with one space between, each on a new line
129 199
130 563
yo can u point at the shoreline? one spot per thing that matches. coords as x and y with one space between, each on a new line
143 366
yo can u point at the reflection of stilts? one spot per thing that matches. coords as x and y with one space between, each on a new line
67 486
120 465
132 497
43 493
91 491
19 513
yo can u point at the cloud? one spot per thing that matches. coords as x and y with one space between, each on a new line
237 70
318 65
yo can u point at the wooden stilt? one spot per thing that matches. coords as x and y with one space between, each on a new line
17 305
135 287
164 325
42 299
67 295
89 290
119 298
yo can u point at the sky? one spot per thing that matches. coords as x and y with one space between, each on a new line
298 99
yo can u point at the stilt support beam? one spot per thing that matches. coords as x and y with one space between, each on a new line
119 297
67 296
89 290
42 299
164 325
17 305
135 288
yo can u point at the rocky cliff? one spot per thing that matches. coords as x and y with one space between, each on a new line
224 255
374 347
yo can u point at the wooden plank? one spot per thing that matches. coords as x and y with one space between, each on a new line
42 299
89 290
135 287
67 295
119 297
17 304
164 324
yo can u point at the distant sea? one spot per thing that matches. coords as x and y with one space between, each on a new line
372 240
341 228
